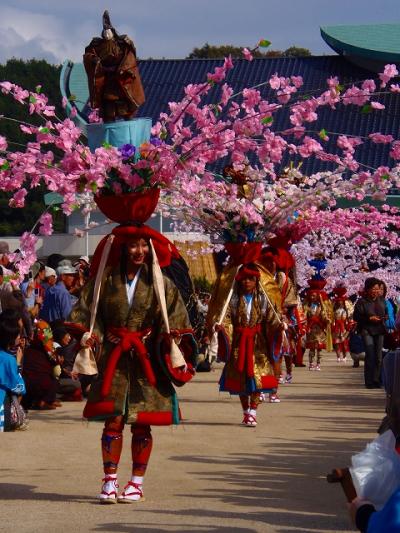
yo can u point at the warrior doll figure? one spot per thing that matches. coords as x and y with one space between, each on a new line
115 86
317 313
342 324
248 324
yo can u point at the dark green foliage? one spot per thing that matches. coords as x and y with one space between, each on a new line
27 74
296 51
209 51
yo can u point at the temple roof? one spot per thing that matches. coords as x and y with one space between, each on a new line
379 42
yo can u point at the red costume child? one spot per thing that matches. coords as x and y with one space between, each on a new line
342 323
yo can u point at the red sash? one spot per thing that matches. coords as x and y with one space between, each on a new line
246 348
129 340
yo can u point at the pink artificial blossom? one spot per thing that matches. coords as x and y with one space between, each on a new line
247 54
46 224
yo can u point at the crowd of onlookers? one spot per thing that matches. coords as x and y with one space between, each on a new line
34 314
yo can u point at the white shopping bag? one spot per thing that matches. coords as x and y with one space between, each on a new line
376 470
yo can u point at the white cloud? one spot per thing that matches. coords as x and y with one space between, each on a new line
60 30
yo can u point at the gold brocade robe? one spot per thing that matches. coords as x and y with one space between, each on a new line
130 389
319 318
232 380
265 311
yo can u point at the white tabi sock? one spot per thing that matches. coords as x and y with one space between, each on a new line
138 480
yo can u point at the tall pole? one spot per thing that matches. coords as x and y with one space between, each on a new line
87 220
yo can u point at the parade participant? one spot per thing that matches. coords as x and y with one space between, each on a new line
318 317
133 386
280 262
300 330
250 322
342 323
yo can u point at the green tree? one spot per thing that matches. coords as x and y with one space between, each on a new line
27 74
296 51
209 51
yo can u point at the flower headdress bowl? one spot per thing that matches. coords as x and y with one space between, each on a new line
132 188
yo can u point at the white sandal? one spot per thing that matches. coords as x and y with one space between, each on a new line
109 490
132 493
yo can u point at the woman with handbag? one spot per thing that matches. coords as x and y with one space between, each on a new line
11 381
133 385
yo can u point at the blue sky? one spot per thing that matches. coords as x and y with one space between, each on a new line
58 30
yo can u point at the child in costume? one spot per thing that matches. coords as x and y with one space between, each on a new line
251 319
342 324
318 318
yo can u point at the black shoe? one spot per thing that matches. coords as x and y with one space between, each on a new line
370 387
377 386
356 364
300 365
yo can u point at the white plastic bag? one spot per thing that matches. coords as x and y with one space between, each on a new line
376 470
85 362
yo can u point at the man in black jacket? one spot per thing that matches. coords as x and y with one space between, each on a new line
370 315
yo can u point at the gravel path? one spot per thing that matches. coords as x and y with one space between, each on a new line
209 474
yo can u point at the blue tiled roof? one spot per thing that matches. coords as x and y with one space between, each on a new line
164 80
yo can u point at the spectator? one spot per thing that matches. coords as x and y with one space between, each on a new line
370 315
14 302
58 302
10 378
5 289
32 289
40 361
390 308
368 520
50 278
70 386
5 260
83 268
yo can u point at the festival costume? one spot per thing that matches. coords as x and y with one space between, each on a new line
318 318
286 347
139 359
246 334
133 384
342 323
139 388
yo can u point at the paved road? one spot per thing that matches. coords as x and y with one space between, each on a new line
209 474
